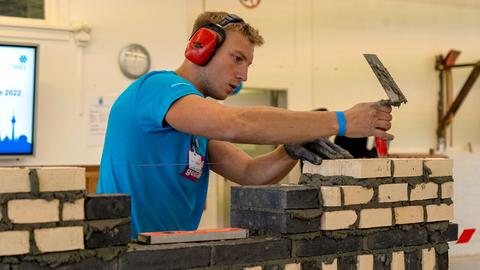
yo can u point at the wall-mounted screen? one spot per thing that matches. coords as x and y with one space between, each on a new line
18 74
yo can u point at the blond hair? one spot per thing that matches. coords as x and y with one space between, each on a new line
216 17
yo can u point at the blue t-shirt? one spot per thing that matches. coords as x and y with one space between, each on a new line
145 157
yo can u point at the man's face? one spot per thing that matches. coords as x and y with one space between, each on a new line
228 67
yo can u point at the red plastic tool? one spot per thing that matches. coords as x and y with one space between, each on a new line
466 236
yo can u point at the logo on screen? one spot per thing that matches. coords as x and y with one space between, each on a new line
23 59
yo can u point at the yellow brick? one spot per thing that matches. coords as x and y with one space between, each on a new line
293 266
357 195
409 214
337 220
14 180
424 191
61 178
14 243
331 196
439 166
439 212
428 259
330 266
258 267
74 210
375 217
393 192
33 211
407 167
59 239
398 261
356 168
447 190
365 262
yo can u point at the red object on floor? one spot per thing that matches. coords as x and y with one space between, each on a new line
466 236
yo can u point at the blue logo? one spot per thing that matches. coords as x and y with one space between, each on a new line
23 59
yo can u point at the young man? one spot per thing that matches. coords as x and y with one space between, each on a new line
164 136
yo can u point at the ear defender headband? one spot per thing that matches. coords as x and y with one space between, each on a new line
207 39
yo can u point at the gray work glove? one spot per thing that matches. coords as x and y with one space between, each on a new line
317 150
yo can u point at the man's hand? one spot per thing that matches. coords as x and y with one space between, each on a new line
317 150
369 119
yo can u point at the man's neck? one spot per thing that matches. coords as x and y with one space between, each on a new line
189 72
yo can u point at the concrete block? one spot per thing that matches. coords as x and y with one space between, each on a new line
439 212
375 217
59 238
330 266
74 210
92 263
396 238
14 243
336 220
293 266
439 166
107 206
331 196
424 191
409 214
323 245
447 190
356 168
61 179
407 167
365 262
107 233
398 261
250 251
14 180
168 257
393 192
413 260
275 196
357 195
381 262
347 263
428 259
33 211
280 222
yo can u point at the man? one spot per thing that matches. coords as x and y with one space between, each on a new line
164 136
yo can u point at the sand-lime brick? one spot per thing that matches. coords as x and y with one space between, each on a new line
439 212
14 180
331 196
74 210
59 239
407 167
393 192
365 262
33 211
424 191
337 220
14 243
375 217
409 214
447 190
439 166
357 195
61 179
356 168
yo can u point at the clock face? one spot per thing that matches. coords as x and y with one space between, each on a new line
134 61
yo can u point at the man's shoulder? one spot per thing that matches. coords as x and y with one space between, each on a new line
166 78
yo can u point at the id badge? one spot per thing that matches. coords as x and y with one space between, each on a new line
195 166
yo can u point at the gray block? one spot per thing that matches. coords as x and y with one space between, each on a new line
108 236
396 238
442 261
323 245
413 260
381 262
107 206
92 263
275 197
348 263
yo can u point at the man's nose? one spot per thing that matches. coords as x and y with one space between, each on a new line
243 73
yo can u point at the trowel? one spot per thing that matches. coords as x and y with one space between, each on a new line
395 96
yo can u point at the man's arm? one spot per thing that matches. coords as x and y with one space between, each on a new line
268 125
232 163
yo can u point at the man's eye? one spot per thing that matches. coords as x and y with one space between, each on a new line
237 59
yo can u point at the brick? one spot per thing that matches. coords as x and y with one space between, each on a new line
375 217
279 222
107 233
428 259
357 195
413 260
409 214
33 211
393 192
447 190
347 263
439 212
74 210
398 261
330 266
293 266
14 243
424 191
356 168
324 245
451 234
396 238
336 220
439 166
172 256
14 180
107 206
442 261
407 167
365 262
59 239
258 267
93 263
275 196
61 179
381 262
250 251
331 196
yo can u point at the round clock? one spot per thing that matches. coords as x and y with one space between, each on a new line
134 61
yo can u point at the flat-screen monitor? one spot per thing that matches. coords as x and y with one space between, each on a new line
18 76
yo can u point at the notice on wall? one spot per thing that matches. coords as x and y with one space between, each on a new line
97 118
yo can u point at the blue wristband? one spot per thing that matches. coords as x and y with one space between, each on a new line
342 124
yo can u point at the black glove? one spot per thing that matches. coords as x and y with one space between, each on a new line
316 150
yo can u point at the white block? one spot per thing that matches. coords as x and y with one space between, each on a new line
74 210
409 214
424 191
428 259
14 180
336 220
398 261
59 238
356 168
440 212
407 167
33 211
331 196
393 192
365 262
375 217
447 190
14 243
293 266
439 166
61 178
357 195
330 266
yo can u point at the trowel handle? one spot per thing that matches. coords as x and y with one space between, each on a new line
382 148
